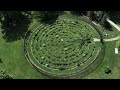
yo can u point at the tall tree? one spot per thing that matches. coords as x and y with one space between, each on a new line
104 22
98 15
90 14
14 24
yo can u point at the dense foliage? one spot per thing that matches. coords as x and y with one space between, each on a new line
14 24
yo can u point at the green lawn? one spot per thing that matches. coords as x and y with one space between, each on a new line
111 60
15 62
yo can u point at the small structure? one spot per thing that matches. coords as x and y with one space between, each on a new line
116 51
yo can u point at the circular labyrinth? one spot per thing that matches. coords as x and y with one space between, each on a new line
64 48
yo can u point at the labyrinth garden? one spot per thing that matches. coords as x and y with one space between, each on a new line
59 45
65 48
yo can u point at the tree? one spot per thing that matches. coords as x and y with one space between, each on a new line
98 16
95 15
103 20
13 17
90 14
107 71
14 24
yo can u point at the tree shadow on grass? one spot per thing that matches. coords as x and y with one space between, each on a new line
115 16
108 27
49 18
14 30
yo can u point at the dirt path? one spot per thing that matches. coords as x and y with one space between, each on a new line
113 24
107 40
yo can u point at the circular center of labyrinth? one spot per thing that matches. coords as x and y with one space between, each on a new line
63 48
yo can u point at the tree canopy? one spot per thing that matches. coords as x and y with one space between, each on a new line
14 24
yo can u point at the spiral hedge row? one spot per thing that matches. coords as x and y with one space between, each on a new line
64 48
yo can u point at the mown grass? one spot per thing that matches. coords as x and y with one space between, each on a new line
14 60
110 60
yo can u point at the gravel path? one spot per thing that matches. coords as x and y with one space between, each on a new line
113 24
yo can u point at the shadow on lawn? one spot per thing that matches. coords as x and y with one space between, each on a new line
115 16
14 30
50 17
49 20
